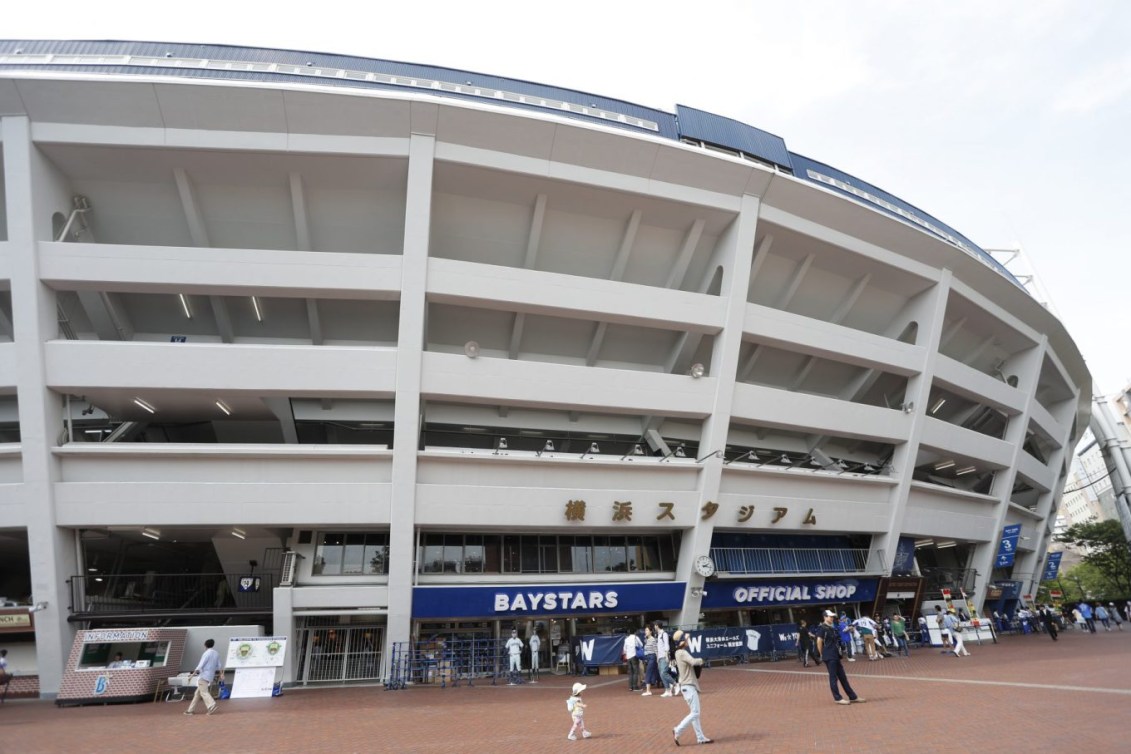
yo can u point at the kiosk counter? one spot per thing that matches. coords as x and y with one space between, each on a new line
95 674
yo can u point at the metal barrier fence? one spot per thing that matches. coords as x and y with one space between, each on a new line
447 662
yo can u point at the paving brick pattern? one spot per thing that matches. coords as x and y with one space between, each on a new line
1025 693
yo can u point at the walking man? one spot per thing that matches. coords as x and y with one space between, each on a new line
1086 614
689 687
899 633
631 643
663 651
955 628
828 640
206 671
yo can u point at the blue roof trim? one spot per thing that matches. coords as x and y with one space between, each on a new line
849 185
727 132
688 122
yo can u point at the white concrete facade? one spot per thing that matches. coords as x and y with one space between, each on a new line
381 231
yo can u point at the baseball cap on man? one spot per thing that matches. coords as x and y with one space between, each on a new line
830 614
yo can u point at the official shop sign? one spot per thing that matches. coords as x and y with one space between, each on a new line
548 599
789 593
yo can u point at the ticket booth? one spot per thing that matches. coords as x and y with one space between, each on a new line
109 666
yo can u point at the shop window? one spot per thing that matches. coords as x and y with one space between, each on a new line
516 553
351 554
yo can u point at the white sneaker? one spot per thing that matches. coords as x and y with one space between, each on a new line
586 734
647 693
666 693
571 737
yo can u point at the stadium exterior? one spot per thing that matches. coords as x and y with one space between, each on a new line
444 352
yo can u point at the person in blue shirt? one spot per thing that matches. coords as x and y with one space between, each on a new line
847 636
206 671
1086 613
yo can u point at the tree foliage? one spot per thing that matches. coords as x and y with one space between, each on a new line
1106 551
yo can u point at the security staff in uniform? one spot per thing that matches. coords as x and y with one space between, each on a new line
828 639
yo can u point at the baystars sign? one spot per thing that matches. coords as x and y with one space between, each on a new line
795 593
564 600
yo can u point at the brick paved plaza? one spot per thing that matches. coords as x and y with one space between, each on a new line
1024 693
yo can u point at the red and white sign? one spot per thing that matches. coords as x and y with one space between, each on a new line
1056 594
1027 597
946 594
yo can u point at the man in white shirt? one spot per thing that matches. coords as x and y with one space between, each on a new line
950 620
206 671
631 642
514 651
535 646
867 629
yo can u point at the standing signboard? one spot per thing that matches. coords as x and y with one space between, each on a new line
255 659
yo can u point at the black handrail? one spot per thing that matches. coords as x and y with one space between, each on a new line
96 594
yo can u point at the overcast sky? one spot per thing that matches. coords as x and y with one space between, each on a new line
1008 120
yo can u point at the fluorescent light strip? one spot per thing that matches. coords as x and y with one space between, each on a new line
146 406
943 465
151 533
938 404
224 407
238 533
185 305
965 470
258 311
944 545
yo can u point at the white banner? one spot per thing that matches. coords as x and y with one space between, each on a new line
253 682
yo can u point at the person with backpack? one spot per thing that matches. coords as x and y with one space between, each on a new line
954 627
576 709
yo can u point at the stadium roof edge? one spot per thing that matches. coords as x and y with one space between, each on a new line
269 64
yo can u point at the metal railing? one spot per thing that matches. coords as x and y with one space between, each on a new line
450 662
104 594
769 560
956 579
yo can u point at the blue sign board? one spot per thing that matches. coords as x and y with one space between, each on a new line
904 562
738 594
1008 546
545 599
1052 566
709 643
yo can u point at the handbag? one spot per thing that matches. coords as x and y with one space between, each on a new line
639 652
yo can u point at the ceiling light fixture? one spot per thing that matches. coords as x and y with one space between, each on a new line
965 470
944 545
150 532
224 407
257 308
943 465
185 305
471 349
937 405
239 533
139 402
697 371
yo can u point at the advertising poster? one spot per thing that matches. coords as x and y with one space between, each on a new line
256 652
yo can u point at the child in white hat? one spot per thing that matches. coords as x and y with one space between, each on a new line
576 709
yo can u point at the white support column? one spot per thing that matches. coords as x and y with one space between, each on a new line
35 190
1028 367
410 348
931 314
737 258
